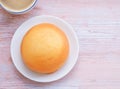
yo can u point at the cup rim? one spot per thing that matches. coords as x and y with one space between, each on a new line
19 11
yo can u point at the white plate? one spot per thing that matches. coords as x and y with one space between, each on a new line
16 55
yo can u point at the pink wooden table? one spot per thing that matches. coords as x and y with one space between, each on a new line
97 24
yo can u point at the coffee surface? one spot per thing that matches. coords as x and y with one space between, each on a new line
17 4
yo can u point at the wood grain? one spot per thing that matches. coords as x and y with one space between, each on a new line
97 25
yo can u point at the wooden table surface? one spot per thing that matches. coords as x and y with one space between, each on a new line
97 25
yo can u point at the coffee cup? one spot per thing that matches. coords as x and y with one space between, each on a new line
17 6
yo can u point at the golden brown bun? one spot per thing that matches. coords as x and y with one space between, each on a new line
44 48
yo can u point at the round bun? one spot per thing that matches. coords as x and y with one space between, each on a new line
44 48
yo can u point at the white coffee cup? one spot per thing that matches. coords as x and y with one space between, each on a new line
22 11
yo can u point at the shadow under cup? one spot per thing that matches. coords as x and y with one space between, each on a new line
10 9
